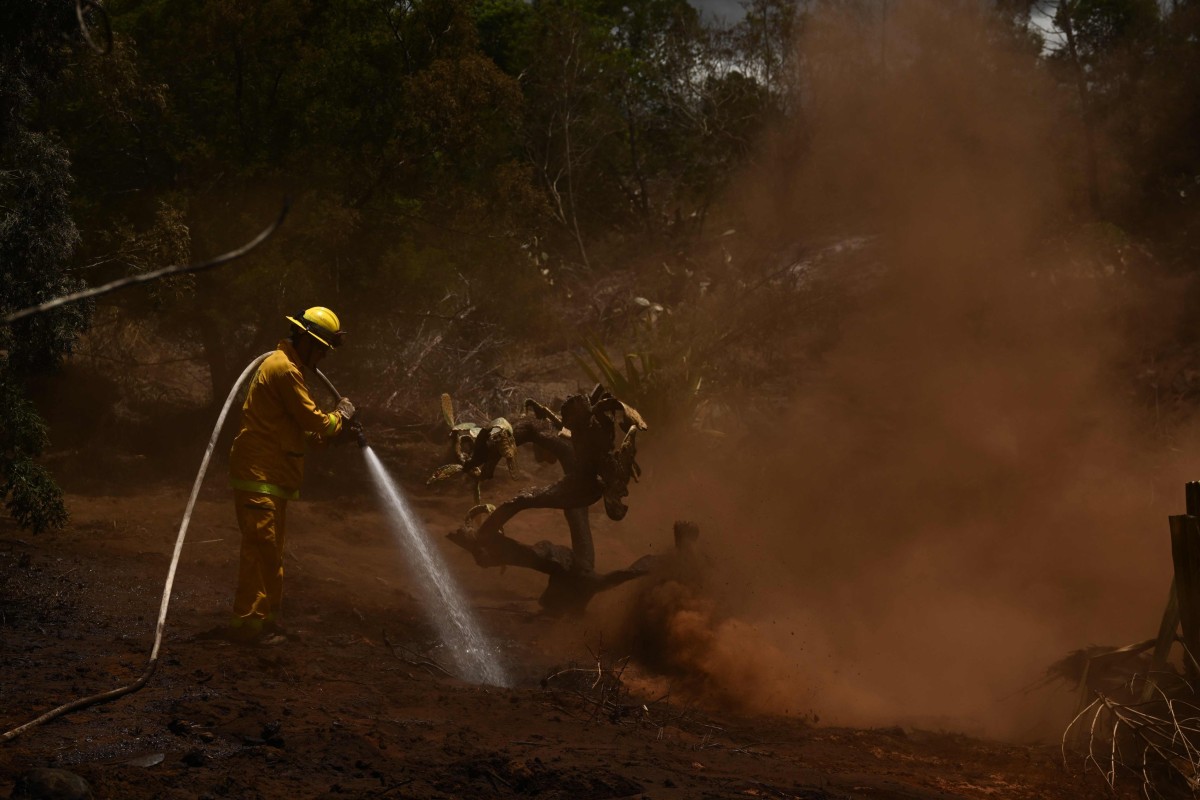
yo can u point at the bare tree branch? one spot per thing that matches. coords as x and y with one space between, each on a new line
130 280
84 6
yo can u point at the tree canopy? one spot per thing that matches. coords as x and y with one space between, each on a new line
452 159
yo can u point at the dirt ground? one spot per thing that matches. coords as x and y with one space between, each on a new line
353 704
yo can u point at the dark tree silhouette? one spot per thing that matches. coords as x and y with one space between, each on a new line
38 238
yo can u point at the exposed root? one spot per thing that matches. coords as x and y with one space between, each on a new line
1156 743
573 583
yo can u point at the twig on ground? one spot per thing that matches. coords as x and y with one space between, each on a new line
393 787
599 691
414 659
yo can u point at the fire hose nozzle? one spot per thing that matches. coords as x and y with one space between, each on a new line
359 434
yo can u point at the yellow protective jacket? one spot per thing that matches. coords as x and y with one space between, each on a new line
278 416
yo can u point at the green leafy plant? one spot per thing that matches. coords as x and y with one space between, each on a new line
665 391
26 488
38 238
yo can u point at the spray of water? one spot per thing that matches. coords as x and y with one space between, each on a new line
457 625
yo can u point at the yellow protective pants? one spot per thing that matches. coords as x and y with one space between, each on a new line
259 596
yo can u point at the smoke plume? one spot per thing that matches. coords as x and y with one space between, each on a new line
964 487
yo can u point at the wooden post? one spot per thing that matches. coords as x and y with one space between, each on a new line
1166 638
1185 552
1171 617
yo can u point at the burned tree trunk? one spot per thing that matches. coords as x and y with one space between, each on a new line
581 536
1185 552
595 467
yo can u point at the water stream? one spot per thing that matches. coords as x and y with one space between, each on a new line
449 611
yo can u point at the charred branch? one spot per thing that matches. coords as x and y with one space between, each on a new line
573 582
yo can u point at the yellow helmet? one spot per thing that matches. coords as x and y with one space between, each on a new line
320 323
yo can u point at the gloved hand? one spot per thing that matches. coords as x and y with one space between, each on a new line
345 408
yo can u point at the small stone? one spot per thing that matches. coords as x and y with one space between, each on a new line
147 760
51 784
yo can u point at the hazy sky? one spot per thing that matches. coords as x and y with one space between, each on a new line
729 9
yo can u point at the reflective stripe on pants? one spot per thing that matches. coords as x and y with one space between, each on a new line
261 518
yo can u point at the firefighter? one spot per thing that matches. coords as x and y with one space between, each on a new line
266 466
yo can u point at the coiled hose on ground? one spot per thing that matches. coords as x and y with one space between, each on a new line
113 694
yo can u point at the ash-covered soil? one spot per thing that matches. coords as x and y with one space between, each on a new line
354 705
